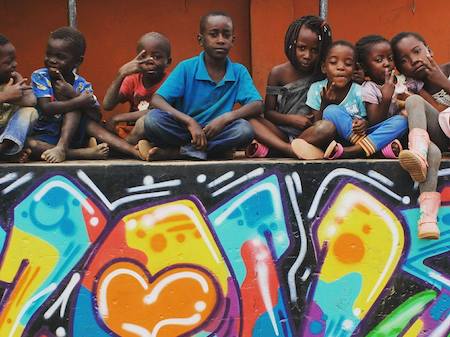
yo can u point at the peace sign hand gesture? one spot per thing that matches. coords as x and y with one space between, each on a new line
434 73
328 95
135 65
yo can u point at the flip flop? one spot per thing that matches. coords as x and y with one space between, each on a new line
388 152
334 150
256 150
144 146
305 150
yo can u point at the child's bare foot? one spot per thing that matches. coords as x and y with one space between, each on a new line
100 151
157 153
56 154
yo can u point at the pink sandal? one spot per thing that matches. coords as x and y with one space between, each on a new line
388 152
256 150
334 151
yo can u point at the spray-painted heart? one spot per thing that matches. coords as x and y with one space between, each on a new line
174 302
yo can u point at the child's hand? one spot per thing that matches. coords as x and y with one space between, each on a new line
215 126
135 65
388 88
359 126
63 90
198 135
110 125
14 90
328 95
435 74
300 122
87 99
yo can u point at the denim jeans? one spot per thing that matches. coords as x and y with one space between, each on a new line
164 131
379 135
17 128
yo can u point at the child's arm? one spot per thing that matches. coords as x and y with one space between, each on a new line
429 98
318 102
377 113
113 95
246 111
124 117
271 107
196 131
60 107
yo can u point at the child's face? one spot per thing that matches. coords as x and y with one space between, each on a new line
379 59
60 57
8 62
358 74
413 57
307 49
217 37
339 65
158 60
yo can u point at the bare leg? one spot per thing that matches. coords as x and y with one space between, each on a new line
99 151
137 133
70 123
320 134
38 147
268 134
115 142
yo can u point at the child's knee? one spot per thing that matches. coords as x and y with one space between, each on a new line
412 102
332 111
325 128
246 133
151 121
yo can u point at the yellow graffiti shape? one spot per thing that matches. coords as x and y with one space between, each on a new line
175 233
415 329
41 259
364 237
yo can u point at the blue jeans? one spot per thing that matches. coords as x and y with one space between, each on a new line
17 128
165 131
377 136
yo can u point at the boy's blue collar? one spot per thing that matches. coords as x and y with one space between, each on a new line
202 73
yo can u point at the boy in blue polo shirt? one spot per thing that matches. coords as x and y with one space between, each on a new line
194 114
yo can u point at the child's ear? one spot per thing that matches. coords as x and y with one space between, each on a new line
200 39
322 68
80 60
233 38
169 61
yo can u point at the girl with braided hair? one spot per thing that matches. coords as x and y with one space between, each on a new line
288 127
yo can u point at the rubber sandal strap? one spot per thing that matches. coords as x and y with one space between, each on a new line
257 150
334 150
388 152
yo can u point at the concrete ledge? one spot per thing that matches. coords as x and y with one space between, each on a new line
257 248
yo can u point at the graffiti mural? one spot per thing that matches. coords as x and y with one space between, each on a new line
226 250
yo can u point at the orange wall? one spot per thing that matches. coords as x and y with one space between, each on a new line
349 20
112 28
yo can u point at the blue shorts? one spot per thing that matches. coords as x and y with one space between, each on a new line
49 131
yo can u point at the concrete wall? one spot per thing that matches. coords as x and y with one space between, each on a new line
226 249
